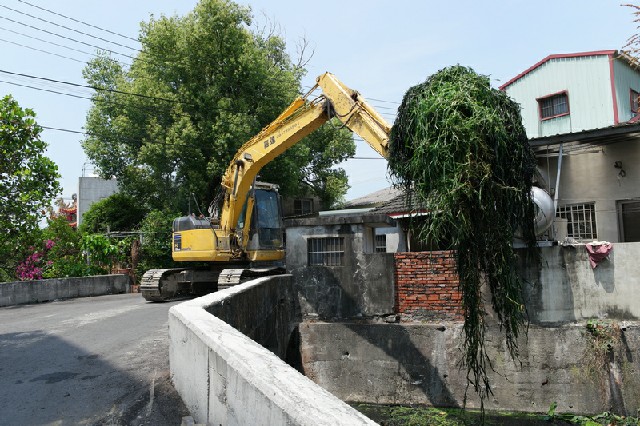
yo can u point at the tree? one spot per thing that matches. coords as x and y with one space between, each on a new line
155 251
459 147
201 86
631 49
118 212
28 182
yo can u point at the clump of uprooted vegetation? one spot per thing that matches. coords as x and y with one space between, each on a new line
459 148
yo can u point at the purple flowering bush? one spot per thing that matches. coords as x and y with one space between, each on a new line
34 266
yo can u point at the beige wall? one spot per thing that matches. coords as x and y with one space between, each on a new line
589 175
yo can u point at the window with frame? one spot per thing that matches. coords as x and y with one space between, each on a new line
554 106
380 243
581 220
633 100
327 251
302 206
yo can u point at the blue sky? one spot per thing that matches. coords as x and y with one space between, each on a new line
380 48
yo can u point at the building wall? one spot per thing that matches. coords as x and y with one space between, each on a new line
589 175
588 83
361 286
626 78
92 189
563 289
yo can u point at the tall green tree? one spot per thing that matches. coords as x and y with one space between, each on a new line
118 212
28 182
202 85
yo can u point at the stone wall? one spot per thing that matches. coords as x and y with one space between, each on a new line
426 285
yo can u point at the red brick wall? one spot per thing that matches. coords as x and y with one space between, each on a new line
427 285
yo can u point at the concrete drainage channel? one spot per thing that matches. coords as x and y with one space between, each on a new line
226 377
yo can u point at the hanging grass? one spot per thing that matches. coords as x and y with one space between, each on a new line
458 147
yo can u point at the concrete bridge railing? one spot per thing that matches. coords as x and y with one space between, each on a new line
38 291
225 377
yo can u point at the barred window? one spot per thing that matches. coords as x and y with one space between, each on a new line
381 243
327 251
581 220
554 106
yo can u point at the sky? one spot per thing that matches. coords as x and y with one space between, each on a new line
380 48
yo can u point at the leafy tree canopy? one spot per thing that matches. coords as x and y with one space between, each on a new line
458 146
204 84
118 212
28 179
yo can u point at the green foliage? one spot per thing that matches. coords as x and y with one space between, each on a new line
602 419
101 251
603 338
209 84
156 241
458 146
66 254
28 183
118 212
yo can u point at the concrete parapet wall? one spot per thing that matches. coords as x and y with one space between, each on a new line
24 292
419 364
562 289
225 378
566 288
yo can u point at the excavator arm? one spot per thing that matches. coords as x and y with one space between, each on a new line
301 118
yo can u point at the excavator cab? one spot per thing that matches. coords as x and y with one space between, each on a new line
265 232
201 239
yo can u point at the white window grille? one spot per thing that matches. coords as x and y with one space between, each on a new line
581 221
381 243
328 251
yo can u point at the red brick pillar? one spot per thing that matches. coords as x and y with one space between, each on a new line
427 285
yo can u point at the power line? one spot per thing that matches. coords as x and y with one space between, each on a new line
44 90
78 21
371 99
47 41
65 37
99 89
43 51
70 29
96 88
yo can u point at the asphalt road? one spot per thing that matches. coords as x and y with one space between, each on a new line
89 361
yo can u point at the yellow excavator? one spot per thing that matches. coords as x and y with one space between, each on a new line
245 238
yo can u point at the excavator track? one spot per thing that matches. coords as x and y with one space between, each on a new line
160 285
231 277
156 285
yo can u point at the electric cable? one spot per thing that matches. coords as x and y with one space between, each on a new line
66 38
70 29
40 50
78 21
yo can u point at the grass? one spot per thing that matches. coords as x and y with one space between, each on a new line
398 415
